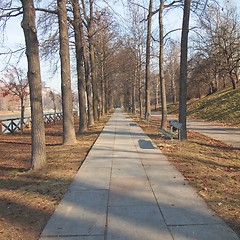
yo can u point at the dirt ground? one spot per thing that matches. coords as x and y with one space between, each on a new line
28 198
211 166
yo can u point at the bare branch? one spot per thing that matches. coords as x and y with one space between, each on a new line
46 10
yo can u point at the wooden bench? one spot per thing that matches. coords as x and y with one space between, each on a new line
175 126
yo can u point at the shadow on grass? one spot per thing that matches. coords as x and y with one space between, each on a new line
216 146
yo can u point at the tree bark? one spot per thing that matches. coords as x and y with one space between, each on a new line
92 63
69 136
88 89
22 114
103 85
161 69
147 73
233 81
183 69
80 68
140 88
87 74
134 93
38 158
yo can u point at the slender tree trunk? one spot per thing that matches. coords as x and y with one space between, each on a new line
93 64
38 158
87 72
134 93
147 73
233 81
103 85
69 136
156 96
183 70
94 81
22 114
140 91
173 88
89 92
161 68
80 68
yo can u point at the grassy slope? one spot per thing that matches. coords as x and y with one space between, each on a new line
223 107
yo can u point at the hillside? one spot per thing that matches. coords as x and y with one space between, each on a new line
222 107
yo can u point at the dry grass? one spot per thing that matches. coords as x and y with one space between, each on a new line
28 198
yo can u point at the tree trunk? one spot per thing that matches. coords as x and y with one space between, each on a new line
88 91
38 158
93 64
147 73
69 136
140 91
183 70
133 95
173 84
103 86
22 115
94 80
80 69
161 69
233 81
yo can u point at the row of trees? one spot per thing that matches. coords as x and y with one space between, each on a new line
90 32
216 57
115 65
213 61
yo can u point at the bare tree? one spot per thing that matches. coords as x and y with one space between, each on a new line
87 69
147 71
137 41
34 78
172 69
16 83
183 69
161 68
220 45
69 136
77 23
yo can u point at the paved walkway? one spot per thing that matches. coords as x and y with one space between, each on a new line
127 190
228 135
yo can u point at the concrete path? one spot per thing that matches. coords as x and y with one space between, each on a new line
228 135
127 190
225 134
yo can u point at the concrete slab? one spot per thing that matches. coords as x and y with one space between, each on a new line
123 196
80 213
203 232
125 172
98 163
92 178
178 201
136 222
129 183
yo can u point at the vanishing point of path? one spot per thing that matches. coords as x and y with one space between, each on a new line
127 190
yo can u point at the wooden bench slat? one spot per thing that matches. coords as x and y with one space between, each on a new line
167 133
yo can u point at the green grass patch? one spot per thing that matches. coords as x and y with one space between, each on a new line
223 106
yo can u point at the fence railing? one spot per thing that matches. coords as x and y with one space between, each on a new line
11 125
